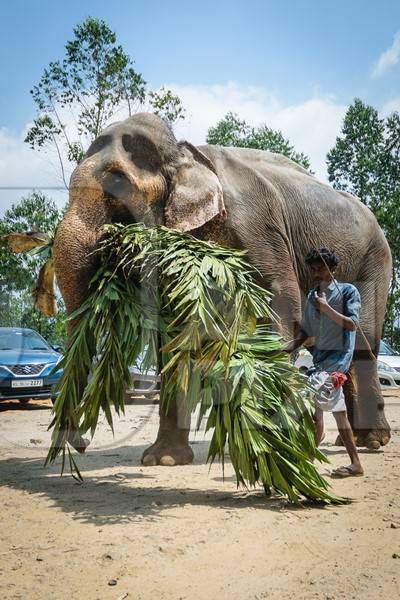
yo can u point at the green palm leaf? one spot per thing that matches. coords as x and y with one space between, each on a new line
218 353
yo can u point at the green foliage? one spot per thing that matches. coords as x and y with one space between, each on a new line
201 301
353 161
365 161
231 131
78 96
18 311
19 272
35 212
166 105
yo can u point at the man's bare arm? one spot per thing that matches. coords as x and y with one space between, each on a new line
322 305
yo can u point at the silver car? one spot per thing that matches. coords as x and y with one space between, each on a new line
143 384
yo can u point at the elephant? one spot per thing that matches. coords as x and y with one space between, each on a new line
256 200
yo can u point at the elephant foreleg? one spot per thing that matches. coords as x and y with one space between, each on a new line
286 304
172 444
270 254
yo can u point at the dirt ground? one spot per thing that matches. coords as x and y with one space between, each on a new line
184 532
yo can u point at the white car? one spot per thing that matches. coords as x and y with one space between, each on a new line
388 365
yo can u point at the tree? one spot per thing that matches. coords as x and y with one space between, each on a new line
19 272
232 131
353 161
365 161
78 96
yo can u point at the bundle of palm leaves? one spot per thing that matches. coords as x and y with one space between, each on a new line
194 311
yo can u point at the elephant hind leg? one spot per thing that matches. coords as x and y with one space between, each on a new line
364 403
369 423
350 392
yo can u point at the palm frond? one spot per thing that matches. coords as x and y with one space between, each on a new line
218 353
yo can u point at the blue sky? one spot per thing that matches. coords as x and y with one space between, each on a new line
293 64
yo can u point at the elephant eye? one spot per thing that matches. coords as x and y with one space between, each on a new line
143 152
98 144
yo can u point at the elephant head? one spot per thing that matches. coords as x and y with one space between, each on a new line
134 171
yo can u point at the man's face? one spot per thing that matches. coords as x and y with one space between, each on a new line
321 273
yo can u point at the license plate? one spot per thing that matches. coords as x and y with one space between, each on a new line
23 383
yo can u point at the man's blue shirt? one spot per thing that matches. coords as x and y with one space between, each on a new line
334 346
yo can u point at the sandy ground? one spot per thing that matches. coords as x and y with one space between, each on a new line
184 532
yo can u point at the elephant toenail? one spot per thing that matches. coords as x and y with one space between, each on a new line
167 461
373 445
149 460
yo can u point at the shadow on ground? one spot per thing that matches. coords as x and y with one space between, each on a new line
45 403
15 405
126 495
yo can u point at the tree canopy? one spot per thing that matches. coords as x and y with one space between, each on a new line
232 131
365 161
19 272
77 96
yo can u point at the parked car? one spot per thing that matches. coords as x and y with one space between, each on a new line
26 361
388 365
143 384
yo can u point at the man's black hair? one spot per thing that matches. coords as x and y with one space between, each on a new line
323 255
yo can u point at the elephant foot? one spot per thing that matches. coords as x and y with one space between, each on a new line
372 440
167 453
78 442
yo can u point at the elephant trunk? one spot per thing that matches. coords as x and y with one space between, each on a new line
75 263
76 238
78 235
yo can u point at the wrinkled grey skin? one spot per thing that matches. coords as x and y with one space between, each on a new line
264 202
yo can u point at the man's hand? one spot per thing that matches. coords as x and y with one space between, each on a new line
320 302
322 306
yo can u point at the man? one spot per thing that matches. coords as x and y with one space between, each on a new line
331 317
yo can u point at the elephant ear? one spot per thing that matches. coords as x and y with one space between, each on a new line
196 195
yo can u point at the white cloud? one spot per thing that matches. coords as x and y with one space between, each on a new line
22 170
205 105
391 106
387 59
312 126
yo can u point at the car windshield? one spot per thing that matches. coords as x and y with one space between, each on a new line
22 340
386 350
